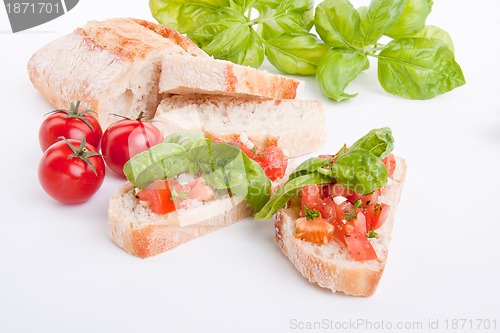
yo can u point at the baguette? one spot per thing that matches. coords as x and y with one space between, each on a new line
331 266
115 66
266 122
144 234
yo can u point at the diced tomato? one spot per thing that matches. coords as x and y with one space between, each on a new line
336 189
159 197
359 246
317 231
360 223
376 214
200 190
273 161
390 164
311 197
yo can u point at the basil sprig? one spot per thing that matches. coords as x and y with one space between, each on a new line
348 38
360 169
224 166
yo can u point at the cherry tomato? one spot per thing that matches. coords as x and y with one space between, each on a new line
71 171
71 124
127 138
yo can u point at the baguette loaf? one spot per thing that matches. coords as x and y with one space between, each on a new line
331 266
115 66
282 122
143 233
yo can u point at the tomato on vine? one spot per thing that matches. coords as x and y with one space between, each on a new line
71 171
71 124
127 138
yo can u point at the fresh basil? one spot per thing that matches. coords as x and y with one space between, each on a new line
338 23
360 171
182 15
430 31
295 53
185 138
380 15
245 31
379 142
359 168
418 68
337 69
412 20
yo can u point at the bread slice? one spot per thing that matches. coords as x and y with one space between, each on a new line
331 266
187 75
286 123
115 65
143 233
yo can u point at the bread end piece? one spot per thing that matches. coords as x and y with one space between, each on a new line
144 234
330 266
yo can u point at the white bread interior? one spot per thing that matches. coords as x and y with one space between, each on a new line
331 266
143 233
282 122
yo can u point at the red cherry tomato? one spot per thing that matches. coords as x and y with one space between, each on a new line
71 124
71 171
125 139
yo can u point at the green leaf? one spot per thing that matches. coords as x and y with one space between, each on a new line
252 54
222 34
418 68
430 31
182 15
381 15
310 165
242 5
338 23
295 53
412 20
185 138
287 191
285 17
337 69
360 171
379 142
147 161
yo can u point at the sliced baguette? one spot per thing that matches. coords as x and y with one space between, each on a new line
282 122
115 66
331 266
188 75
143 233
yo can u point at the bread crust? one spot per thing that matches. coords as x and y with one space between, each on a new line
336 273
153 234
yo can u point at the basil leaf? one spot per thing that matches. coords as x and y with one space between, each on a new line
143 162
412 19
206 157
430 31
222 34
360 171
418 68
287 191
242 5
379 142
182 15
338 23
337 69
185 138
295 53
381 15
166 168
252 54
285 17
310 165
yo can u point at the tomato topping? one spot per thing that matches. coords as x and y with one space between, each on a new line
159 197
273 161
390 164
200 190
376 214
359 246
317 231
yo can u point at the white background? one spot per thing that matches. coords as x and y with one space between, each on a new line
60 272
